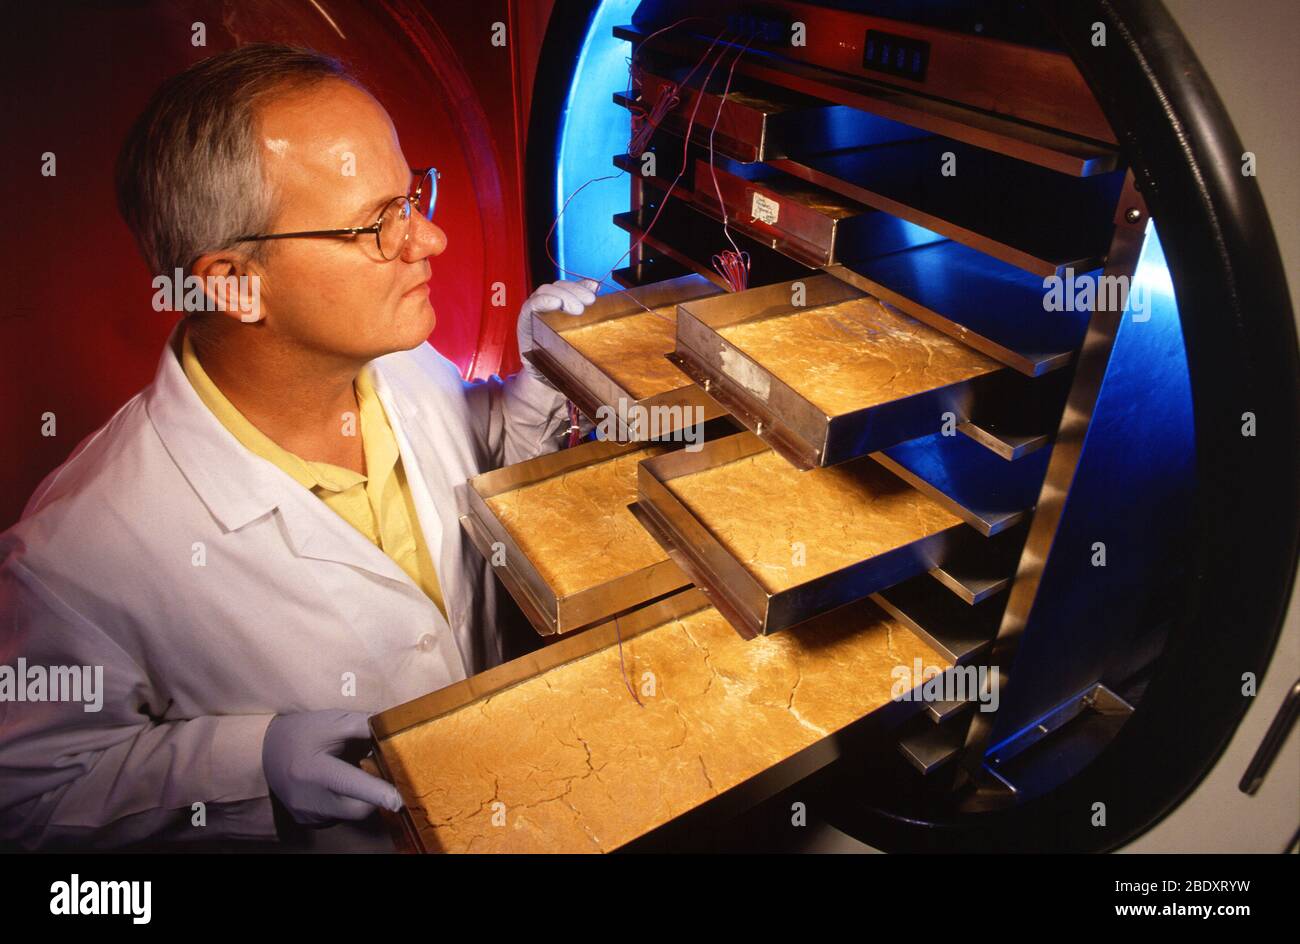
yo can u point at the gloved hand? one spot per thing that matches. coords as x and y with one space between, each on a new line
300 757
572 296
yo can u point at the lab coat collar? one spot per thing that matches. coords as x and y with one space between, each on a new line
238 487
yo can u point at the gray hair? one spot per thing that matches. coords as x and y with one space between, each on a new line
189 176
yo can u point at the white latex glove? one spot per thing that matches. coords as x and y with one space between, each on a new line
317 787
572 296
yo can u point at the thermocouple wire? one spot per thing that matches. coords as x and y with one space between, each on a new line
732 265
685 150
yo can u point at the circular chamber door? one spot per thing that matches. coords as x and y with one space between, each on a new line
1206 505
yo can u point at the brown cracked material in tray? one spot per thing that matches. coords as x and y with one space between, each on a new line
575 528
855 354
788 527
566 761
631 349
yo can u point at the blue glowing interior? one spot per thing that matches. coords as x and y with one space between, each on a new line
592 130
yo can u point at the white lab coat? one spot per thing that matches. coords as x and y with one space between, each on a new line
217 592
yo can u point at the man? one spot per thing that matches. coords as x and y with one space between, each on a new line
261 548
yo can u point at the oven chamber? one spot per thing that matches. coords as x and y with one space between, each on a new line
1133 671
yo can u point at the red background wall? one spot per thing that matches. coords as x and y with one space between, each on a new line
78 336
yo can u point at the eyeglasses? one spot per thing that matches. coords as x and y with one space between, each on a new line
392 229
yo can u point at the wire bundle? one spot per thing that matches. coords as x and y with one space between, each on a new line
668 101
644 124
733 266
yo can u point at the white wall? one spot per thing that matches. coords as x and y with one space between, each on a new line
1250 52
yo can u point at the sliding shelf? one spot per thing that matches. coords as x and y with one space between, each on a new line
959 632
669 155
804 221
746 125
754 121
1008 445
1024 420
660 182
981 567
1028 217
988 494
931 748
516 508
610 362
941 712
1055 150
801 544
649 271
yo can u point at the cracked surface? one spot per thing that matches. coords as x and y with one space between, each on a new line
759 507
575 527
580 767
630 350
855 354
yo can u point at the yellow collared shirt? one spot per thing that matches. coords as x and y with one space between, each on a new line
378 504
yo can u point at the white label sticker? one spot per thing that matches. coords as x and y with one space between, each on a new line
738 367
765 210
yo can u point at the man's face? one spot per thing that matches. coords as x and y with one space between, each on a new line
332 157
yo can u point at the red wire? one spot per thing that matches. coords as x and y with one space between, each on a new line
686 142
647 123
668 100
685 150
734 265
734 269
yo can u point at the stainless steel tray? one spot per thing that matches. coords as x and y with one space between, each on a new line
759 121
501 762
392 722
613 357
574 516
878 377
858 527
444 701
808 223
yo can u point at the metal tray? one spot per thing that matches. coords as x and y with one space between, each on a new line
836 377
613 357
758 121
685 235
392 722
983 302
528 733
972 482
575 511
1026 216
1019 129
850 530
808 223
